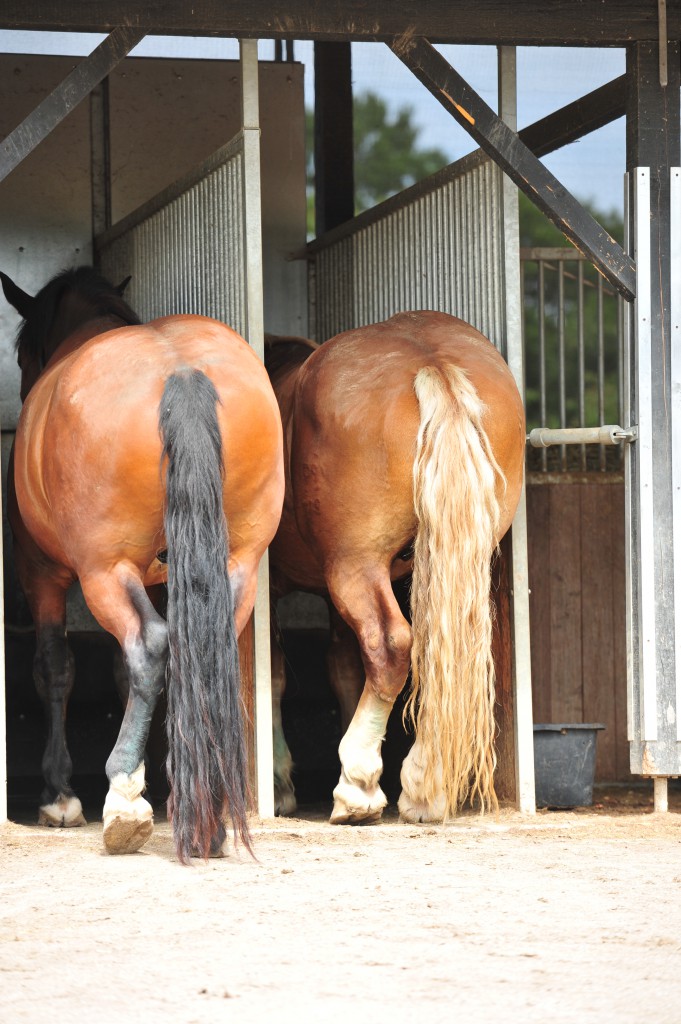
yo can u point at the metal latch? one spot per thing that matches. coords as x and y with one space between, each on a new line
544 437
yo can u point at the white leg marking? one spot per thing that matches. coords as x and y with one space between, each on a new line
65 812
358 798
128 817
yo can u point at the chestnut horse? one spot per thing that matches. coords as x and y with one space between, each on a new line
144 454
404 447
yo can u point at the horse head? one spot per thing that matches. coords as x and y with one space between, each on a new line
64 304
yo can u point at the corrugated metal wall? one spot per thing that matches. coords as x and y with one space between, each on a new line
438 245
185 248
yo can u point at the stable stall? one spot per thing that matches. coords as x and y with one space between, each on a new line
355 267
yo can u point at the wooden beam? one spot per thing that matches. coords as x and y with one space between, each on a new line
68 94
574 121
530 23
521 165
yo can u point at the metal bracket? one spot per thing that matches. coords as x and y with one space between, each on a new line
611 434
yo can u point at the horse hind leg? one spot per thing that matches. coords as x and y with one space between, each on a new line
53 672
284 793
368 605
120 603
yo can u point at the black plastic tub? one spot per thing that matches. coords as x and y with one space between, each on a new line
564 764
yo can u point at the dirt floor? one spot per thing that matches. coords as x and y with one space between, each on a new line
562 916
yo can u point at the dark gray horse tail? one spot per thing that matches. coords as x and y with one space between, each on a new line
207 764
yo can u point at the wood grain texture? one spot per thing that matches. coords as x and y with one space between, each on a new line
247 665
540 600
504 778
577 611
508 22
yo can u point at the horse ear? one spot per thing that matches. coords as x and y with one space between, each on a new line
22 302
124 284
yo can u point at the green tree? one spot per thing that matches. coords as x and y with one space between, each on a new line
387 158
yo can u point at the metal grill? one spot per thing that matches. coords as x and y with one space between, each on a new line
185 248
437 245
573 340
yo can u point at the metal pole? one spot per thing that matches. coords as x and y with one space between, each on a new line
675 320
660 791
520 596
3 728
264 759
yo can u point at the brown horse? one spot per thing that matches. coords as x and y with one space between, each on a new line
404 451
136 446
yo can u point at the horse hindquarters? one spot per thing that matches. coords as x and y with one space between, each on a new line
207 767
452 699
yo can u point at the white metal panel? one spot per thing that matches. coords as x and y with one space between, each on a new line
675 314
3 727
514 354
438 245
185 248
197 248
645 553
264 755
449 243
628 420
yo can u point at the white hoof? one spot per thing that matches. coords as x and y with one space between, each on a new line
413 805
65 812
416 812
353 805
284 802
128 817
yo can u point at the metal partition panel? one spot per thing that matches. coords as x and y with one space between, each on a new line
185 248
675 259
449 243
438 245
3 714
653 505
196 247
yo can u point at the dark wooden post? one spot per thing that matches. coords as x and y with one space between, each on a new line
333 140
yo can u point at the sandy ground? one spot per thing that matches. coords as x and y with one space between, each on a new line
563 916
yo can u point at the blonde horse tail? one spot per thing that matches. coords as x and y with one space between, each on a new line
451 704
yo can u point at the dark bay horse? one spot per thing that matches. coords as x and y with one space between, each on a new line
144 454
404 445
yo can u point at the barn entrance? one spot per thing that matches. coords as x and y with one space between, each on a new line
652 698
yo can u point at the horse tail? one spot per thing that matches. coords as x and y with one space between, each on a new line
207 764
452 697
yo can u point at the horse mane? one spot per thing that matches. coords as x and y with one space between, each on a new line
283 351
101 297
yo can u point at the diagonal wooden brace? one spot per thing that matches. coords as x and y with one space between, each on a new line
505 147
68 94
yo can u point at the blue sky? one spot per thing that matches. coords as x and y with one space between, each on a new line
548 78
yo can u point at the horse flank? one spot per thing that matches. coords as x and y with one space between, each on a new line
455 499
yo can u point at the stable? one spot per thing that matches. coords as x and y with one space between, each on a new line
365 268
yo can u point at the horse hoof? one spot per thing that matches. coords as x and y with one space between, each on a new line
128 817
355 806
284 803
127 833
64 812
415 812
